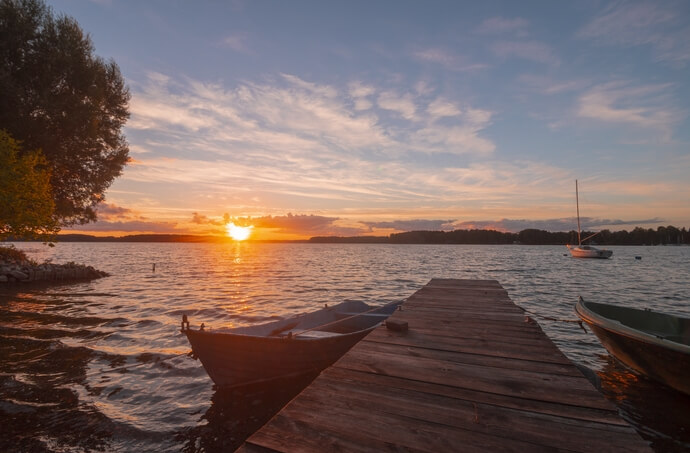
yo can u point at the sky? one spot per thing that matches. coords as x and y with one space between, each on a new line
312 118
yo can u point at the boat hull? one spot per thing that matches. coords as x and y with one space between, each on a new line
589 252
302 344
232 360
663 358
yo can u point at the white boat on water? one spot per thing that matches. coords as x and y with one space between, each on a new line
302 344
585 251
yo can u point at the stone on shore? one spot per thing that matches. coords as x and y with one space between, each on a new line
26 272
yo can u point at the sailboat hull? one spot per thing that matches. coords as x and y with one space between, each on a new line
586 251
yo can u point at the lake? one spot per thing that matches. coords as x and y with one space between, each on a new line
102 365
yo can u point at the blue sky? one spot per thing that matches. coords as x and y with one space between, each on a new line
313 118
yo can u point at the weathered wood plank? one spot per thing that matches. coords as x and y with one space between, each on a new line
510 362
502 423
471 373
607 415
522 384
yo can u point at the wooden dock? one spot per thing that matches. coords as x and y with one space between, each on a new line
472 373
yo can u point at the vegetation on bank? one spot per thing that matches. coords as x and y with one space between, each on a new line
10 254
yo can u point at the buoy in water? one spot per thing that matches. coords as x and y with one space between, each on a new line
638 257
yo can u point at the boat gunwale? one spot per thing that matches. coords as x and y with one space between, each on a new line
373 311
616 327
296 336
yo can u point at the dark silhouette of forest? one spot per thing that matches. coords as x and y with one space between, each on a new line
668 235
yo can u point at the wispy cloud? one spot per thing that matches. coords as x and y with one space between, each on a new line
660 25
411 225
112 217
528 50
501 25
301 224
447 59
641 106
361 94
237 42
289 116
549 85
401 104
555 225
440 108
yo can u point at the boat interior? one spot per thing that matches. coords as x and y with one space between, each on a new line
355 316
660 325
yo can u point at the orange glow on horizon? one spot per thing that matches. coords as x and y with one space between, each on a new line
238 233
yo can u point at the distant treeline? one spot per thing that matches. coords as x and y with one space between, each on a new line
669 235
638 236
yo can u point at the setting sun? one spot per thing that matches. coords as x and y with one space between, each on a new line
237 232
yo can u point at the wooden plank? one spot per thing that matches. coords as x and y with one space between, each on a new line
607 415
471 373
507 362
468 345
523 384
517 426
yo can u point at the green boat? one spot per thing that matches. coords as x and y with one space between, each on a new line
654 344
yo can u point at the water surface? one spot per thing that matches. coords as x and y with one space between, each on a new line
102 365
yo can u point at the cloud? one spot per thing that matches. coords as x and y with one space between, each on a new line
401 104
447 59
361 94
117 218
502 25
528 50
554 225
301 224
298 121
440 108
412 225
547 85
139 226
201 219
660 25
108 211
641 106
237 42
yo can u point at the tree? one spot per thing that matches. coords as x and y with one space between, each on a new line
26 204
57 96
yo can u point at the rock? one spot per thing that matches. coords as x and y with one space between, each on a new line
26 272
19 275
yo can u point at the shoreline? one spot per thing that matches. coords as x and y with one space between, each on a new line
26 272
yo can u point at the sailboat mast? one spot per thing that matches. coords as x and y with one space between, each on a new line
577 202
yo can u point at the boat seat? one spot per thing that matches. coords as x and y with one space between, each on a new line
310 334
366 315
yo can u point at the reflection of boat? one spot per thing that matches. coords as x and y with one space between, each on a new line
298 345
585 251
654 344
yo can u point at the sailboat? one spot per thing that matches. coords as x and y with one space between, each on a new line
585 251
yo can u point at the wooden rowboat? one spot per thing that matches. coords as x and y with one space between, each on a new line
654 344
302 344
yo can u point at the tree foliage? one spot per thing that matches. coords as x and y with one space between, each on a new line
57 96
26 204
